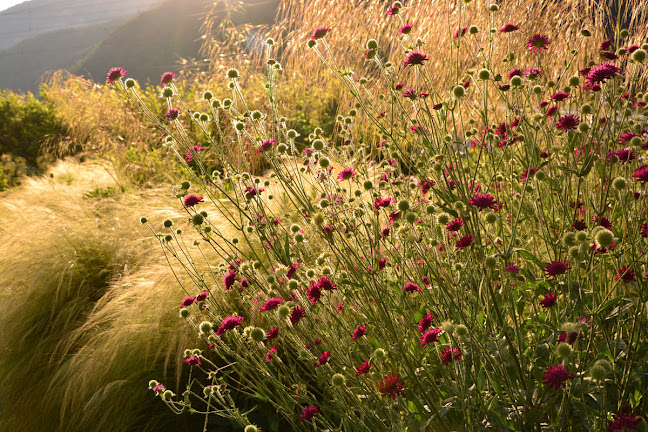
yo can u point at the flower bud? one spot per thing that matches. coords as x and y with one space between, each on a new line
338 380
604 238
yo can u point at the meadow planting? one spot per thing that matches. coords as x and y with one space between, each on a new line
466 252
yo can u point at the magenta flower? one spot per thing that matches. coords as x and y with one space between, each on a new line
266 145
431 336
296 315
509 28
532 72
569 338
188 301
414 58
454 225
601 73
167 78
270 354
641 174
482 201
406 29
459 33
626 274
191 200
515 72
252 191
425 323
314 294
551 111
202 296
625 155
346 174
320 32
322 359
556 376
229 279
115 74
309 413
537 43
548 301
172 114
464 241
274 331
559 97
556 268
359 332
193 361
410 93
229 323
411 287
568 122
391 386
449 355
363 368
605 44
624 422
271 303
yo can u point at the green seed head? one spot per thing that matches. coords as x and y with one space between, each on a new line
338 380
604 238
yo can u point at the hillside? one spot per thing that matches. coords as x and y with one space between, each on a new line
36 17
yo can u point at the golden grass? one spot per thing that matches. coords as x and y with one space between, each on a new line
88 308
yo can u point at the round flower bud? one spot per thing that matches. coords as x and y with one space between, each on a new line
233 74
604 238
324 162
130 83
460 206
490 262
619 183
598 373
516 81
311 43
411 217
143 220
372 44
257 115
257 334
310 273
537 89
380 354
318 144
184 313
239 126
283 311
152 384
252 428
563 350
448 327
367 185
574 252
363 81
459 91
582 237
292 134
167 92
574 81
569 239
461 331
483 74
639 56
493 8
583 128
338 380
227 102
197 219
185 184
604 364
586 109
443 219
430 209
205 326
167 395
473 29
586 33
491 217
403 205
624 33
168 223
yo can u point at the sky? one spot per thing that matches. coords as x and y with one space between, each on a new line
6 4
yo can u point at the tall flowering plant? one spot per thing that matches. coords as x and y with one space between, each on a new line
482 267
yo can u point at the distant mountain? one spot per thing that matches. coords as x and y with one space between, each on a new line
36 17
146 44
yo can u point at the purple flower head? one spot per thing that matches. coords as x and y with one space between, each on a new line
556 268
568 122
266 145
188 301
414 58
537 43
641 174
449 355
309 413
115 74
346 174
229 323
320 32
556 376
172 114
482 201
431 336
271 303
601 73
406 29
509 28
548 301
167 78
191 200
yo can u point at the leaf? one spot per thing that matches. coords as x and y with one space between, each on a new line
528 255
